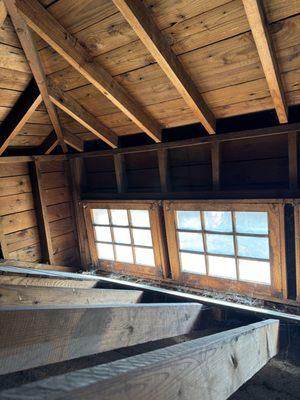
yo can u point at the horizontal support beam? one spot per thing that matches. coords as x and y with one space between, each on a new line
214 366
19 280
16 295
32 337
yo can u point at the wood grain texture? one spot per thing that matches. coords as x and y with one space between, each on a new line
17 295
26 281
181 371
259 28
71 50
3 13
144 26
22 267
34 337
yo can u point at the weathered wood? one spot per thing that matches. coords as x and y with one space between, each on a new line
293 159
139 18
25 106
33 58
70 106
186 370
3 13
216 165
163 167
120 172
17 295
259 28
42 214
23 267
34 337
51 142
45 25
26 281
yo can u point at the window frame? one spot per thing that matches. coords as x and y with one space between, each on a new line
277 288
160 268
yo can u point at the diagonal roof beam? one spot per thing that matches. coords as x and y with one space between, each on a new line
3 13
139 18
46 26
69 105
51 142
32 56
259 27
25 106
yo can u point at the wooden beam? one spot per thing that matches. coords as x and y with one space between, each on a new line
25 106
293 159
46 26
211 367
163 167
70 106
3 243
42 214
3 13
216 165
120 172
47 296
48 282
33 58
42 336
259 27
139 18
51 142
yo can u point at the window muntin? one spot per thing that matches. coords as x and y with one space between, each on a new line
123 235
226 244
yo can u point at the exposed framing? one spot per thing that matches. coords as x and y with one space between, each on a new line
277 289
160 269
297 249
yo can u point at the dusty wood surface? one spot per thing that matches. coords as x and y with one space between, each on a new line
180 371
47 281
34 337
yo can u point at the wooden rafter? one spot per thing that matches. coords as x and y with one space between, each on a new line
51 142
70 106
139 18
33 58
3 13
262 38
25 106
46 26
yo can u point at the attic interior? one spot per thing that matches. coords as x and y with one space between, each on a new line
149 199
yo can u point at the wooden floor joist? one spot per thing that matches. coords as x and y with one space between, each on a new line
25 106
139 18
17 295
35 336
212 367
45 25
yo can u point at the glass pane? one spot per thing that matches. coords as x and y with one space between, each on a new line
144 256
255 247
255 271
102 234
194 263
119 217
220 244
251 222
105 251
122 235
140 218
100 216
188 220
218 221
222 267
190 241
142 237
124 254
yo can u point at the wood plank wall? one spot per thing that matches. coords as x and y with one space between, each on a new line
20 235
20 224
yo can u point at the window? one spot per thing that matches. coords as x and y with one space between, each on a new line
125 237
219 245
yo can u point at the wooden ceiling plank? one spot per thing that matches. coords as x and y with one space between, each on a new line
45 25
83 330
70 106
25 106
259 27
33 58
3 13
137 15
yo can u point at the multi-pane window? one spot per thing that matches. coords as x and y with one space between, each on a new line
123 236
126 237
225 244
